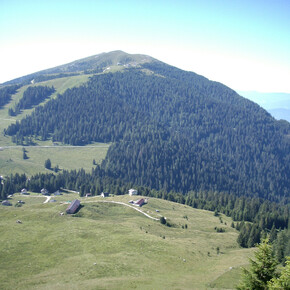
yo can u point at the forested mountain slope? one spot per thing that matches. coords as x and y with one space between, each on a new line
171 130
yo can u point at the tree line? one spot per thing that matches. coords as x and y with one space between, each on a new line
253 217
32 96
6 93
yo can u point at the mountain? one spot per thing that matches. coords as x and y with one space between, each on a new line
93 64
170 129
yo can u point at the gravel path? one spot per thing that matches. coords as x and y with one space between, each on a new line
47 199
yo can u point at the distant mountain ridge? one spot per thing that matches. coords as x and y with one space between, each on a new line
280 114
277 104
170 129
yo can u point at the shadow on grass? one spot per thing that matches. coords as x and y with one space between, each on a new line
78 213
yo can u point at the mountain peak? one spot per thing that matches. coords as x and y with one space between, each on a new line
100 61
92 64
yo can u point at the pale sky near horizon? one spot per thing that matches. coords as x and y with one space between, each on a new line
243 44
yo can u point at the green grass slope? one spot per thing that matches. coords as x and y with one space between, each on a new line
111 246
66 157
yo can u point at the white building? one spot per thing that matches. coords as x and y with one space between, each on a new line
44 191
133 192
57 193
24 191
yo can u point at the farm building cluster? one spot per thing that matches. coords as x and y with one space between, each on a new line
43 191
74 206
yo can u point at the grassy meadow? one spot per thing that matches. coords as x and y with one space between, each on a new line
111 246
66 157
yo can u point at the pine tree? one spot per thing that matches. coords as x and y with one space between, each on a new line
82 190
24 155
244 234
283 281
282 245
273 234
47 164
262 269
254 236
162 220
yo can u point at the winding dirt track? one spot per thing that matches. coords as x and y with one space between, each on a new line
122 203
47 199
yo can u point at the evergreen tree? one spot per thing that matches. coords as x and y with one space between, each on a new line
24 156
254 236
282 245
244 235
162 220
283 281
273 234
82 190
262 269
47 164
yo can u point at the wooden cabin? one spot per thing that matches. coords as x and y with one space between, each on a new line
73 207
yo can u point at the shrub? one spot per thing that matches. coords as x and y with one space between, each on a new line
163 220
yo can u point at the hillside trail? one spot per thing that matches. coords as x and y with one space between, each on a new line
47 199
122 203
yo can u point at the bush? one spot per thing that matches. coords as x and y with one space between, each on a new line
220 230
163 220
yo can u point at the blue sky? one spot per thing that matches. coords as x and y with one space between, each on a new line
243 44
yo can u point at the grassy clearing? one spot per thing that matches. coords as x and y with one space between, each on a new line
229 279
110 246
11 159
